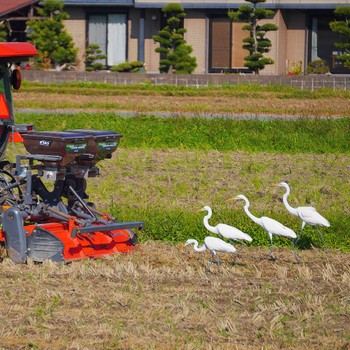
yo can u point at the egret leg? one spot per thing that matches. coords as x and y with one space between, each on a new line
297 257
233 241
239 248
300 232
217 261
242 242
295 242
321 235
234 260
210 262
271 257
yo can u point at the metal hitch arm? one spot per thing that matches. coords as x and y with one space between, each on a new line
109 227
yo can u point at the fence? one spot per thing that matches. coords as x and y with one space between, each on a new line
310 82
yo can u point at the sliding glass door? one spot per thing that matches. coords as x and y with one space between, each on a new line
110 33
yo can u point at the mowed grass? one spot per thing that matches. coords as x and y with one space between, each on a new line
160 297
243 90
251 100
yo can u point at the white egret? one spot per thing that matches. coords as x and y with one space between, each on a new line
213 244
272 226
308 215
224 230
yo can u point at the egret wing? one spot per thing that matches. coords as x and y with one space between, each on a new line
276 228
218 245
233 233
312 217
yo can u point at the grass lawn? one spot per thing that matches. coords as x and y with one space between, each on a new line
163 172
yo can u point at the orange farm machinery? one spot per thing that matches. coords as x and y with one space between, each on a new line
44 210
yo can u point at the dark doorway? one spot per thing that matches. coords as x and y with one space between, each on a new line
225 44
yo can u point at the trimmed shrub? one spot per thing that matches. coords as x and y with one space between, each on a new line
318 67
93 55
127 67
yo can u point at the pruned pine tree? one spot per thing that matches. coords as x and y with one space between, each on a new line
94 57
342 27
55 46
174 52
257 44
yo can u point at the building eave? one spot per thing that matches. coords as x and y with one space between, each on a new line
220 4
8 9
99 3
231 5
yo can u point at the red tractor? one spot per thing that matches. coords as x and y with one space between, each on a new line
57 224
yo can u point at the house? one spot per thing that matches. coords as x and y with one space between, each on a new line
124 28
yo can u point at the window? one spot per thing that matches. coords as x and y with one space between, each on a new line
322 42
110 33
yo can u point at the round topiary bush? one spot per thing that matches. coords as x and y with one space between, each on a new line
317 67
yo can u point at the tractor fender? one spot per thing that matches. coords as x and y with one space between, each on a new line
16 242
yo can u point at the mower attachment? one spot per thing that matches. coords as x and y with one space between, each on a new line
64 241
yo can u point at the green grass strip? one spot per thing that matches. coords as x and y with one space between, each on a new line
177 226
317 136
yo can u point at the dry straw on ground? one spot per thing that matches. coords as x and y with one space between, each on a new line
161 298
267 103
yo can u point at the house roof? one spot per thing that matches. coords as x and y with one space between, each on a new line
213 4
8 6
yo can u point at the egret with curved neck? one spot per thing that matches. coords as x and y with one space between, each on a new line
308 215
215 245
271 226
224 230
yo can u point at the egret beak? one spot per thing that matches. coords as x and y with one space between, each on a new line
231 199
